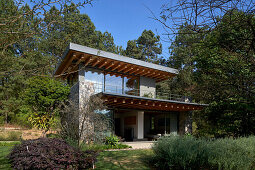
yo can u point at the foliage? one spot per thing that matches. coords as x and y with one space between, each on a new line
147 47
102 147
225 76
112 140
188 152
10 135
43 95
33 38
217 68
46 153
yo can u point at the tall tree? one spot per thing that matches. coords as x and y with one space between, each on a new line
147 47
33 37
72 26
225 73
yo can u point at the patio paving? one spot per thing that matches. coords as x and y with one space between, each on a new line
140 144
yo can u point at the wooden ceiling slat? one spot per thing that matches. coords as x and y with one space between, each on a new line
127 70
103 63
115 67
123 68
110 65
97 61
134 70
74 55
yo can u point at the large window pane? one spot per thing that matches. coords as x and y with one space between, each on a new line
113 84
131 86
96 78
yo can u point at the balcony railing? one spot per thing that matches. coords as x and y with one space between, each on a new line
98 87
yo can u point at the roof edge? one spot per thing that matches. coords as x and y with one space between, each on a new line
93 51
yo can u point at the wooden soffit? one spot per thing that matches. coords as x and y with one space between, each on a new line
112 64
133 102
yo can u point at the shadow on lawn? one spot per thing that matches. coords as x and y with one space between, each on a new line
128 159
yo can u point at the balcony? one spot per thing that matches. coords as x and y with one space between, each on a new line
98 88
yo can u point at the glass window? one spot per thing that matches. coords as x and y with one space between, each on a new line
131 86
113 84
96 78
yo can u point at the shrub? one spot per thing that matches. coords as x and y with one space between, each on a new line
47 153
187 152
112 140
179 152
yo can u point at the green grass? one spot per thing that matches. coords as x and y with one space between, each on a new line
4 163
102 147
125 159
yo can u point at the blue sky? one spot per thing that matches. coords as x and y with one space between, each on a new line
126 19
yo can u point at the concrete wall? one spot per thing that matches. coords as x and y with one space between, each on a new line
147 86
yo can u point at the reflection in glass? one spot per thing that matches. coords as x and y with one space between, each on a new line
131 86
96 78
103 123
113 84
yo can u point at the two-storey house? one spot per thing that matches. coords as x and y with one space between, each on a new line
128 88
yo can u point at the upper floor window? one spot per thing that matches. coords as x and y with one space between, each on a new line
112 83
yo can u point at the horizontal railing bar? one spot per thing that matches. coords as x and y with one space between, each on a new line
100 87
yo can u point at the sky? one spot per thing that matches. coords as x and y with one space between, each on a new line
126 19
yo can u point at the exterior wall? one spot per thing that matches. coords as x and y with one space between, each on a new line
147 87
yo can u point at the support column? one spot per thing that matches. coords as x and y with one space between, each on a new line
173 123
140 124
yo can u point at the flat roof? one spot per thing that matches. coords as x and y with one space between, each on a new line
127 62
96 52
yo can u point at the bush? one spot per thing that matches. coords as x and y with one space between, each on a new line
10 135
47 153
112 140
187 152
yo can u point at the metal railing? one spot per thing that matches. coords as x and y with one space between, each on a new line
99 87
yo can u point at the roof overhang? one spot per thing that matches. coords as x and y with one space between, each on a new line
144 103
76 55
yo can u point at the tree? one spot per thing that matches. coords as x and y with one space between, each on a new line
72 26
33 39
147 47
225 76
43 95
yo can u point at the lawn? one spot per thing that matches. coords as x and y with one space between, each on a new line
125 159
4 151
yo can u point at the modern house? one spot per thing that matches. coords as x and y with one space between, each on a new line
128 88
